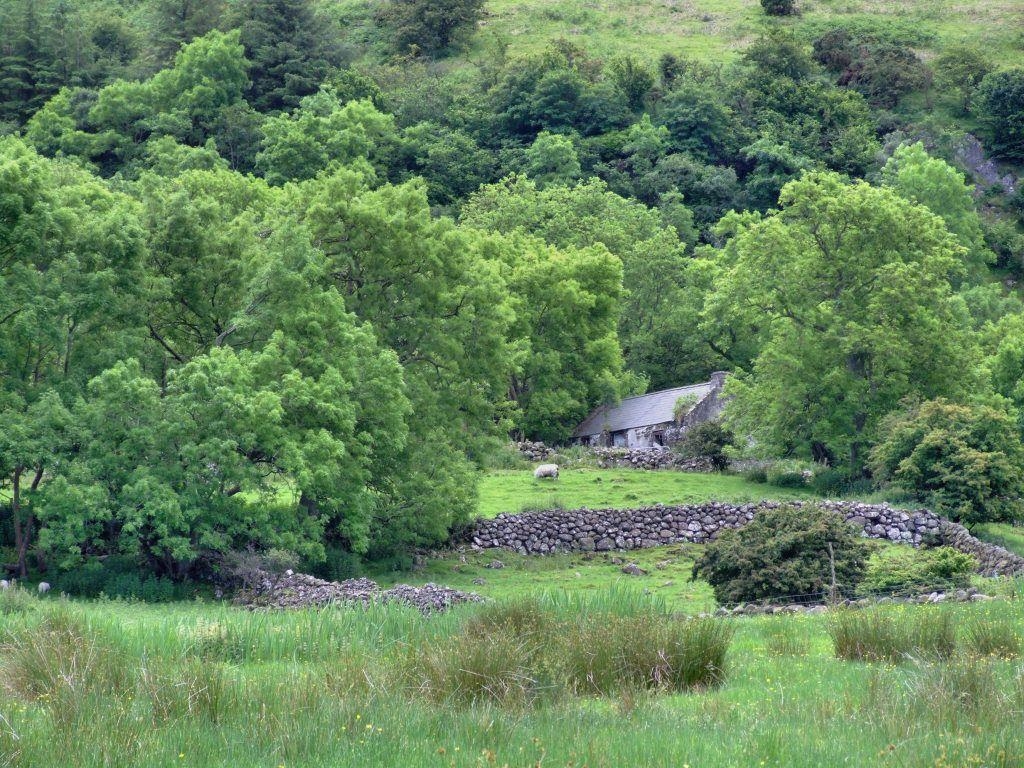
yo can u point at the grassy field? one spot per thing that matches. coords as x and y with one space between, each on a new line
517 490
720 29
110 684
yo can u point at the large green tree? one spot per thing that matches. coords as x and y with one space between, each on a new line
435 295
71 258
845 294
660 302
941 189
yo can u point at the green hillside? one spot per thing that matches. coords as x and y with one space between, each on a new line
719 29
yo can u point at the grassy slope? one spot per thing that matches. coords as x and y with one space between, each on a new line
719 29
516 490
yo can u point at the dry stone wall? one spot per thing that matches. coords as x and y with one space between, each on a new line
562 530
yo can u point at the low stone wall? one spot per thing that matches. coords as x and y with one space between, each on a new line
649 458
563 530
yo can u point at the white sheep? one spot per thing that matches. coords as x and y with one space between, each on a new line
44 587
546 470
5 584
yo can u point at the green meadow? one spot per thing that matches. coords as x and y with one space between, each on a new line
113 684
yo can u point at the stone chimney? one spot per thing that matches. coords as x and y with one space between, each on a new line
718 379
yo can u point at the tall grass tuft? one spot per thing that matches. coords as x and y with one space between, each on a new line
498 667
992 636
609 654
189 689
60 656
16 600
518 652
892 635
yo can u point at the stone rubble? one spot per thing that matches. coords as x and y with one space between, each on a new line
534 451
657 457
769 608
299 590
603 530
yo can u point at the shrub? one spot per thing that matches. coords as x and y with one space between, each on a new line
707 441
892 635
966 461
829 481
787 474
784 553
779 7
756 474
432 27
907 570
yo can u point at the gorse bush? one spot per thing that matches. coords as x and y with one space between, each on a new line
906 570
784 553
892 635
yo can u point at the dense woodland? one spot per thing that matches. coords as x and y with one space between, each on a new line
284 275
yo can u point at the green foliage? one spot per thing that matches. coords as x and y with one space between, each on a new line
907 570
660 302
1001 105
959 71
431 27
786 474
942 190
708 440
682 406
552 159
289 47
835 292
966 462
892 635
784 554
778 7
324 134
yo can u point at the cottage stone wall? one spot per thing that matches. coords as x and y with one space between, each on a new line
563 530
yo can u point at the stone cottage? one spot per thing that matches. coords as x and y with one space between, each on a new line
651 419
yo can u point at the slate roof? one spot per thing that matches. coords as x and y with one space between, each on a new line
640 411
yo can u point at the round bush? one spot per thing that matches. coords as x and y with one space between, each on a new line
779 7
784 554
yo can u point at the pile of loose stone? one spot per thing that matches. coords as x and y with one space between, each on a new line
657 457
562 530
299 590
760 609
534 451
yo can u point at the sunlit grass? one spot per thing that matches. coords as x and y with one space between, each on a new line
517 490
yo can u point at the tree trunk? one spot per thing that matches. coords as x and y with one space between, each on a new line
20 534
